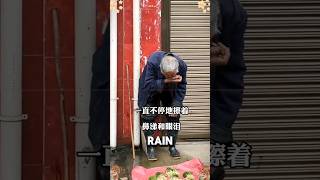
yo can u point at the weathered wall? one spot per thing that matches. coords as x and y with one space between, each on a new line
150 42
42 134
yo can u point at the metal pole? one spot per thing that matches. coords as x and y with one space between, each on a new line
136 68
11 83
85 45
113 74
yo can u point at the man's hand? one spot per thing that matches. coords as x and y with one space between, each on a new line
175 79
220 54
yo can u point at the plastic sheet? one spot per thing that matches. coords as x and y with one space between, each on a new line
195 166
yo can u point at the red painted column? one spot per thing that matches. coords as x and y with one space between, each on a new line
150 42
125 58
32 91
150 28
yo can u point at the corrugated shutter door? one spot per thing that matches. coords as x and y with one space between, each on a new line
280 117
190 34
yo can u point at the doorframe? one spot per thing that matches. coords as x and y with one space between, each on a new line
165 25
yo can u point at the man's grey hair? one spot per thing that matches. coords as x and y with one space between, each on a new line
169 64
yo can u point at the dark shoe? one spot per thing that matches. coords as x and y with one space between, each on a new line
217 173
174 152
151 153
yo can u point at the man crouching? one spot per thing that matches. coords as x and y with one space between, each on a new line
162 84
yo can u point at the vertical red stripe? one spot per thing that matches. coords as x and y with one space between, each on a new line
150 42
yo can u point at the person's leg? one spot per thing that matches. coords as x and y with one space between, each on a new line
167 99
153 101
225 102
174 134
217 173
103 172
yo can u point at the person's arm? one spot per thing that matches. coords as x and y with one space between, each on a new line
181 87
219 54
151 81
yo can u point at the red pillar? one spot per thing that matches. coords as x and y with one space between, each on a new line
150 42
32 91
125 58
150 28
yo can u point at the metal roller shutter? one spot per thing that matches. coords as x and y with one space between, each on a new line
280 117
190 34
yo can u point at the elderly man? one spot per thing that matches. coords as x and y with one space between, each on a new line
162 83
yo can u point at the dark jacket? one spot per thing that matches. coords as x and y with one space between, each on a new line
99 124
227 81
152 80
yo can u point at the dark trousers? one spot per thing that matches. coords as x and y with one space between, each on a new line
163 99
103 172
226 100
